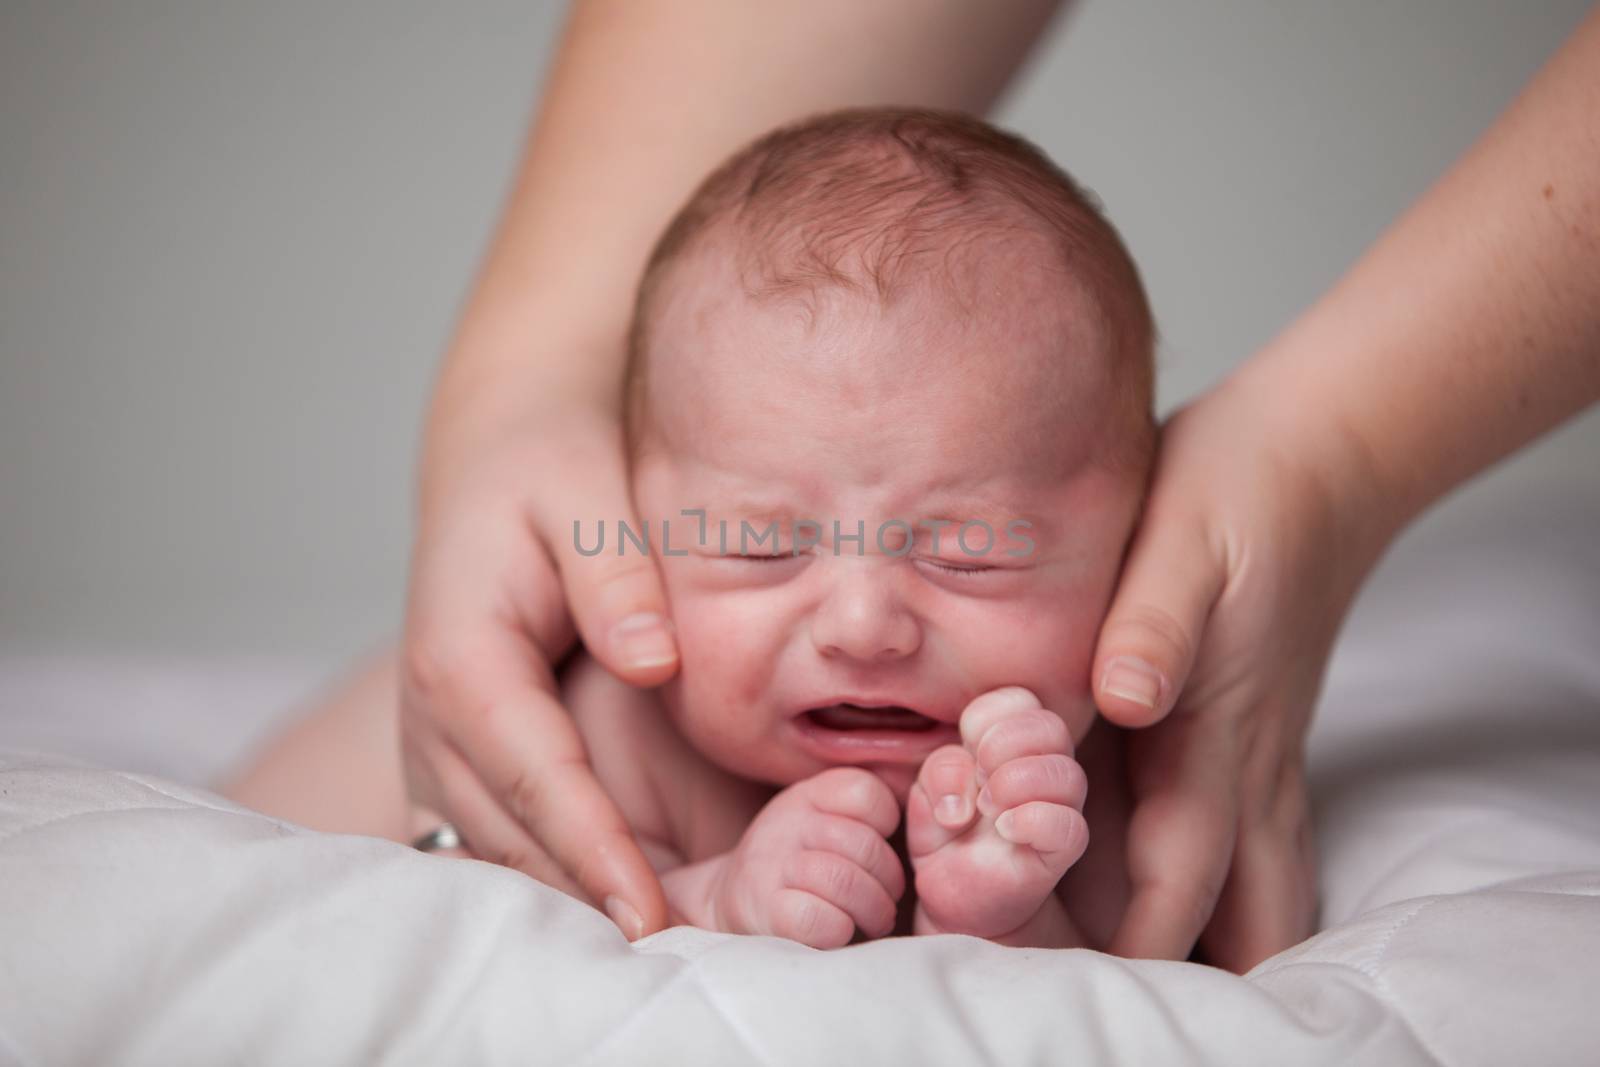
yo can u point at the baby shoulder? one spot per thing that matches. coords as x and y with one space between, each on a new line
621 728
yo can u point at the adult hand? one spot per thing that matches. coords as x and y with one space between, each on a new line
1276 493
1255 537
485 739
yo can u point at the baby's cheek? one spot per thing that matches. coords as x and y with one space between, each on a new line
720 700
696 702
702 618
732 735
1042 644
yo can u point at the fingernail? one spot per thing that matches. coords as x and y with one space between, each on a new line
643 639
952 810
985 800
625 917
1132 679
1003 826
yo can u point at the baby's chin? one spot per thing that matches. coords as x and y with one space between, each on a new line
899 777
774 759
784 768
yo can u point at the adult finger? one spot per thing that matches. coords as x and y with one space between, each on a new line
495 836
526 750
1269 902
1180 838
1147 644
613 587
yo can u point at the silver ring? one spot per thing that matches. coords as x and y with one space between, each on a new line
441 837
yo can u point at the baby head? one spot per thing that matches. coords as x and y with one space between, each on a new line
889 389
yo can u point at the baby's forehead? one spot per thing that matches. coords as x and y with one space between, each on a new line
1006 307
1013 366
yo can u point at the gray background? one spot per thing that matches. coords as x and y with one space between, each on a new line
234 237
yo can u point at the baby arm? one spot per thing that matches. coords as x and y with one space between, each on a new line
813 866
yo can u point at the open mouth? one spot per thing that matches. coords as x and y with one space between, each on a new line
853 717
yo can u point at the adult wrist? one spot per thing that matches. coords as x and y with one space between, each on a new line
1326 447
488 393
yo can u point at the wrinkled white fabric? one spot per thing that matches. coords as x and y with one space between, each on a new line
146 924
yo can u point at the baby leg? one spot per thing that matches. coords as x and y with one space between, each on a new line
337 768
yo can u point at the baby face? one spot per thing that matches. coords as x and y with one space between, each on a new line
765 413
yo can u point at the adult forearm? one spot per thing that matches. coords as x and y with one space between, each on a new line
1473 325
642 99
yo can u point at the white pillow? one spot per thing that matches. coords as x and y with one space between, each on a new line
145 923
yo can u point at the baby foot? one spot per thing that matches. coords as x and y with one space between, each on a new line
987 865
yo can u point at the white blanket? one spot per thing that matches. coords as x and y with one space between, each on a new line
1456 770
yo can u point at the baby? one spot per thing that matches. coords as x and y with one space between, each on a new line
888 415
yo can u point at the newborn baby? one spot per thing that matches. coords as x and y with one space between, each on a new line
888 417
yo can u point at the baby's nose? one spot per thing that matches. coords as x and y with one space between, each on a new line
863 618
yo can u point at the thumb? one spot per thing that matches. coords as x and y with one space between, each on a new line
613 585
1149 638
